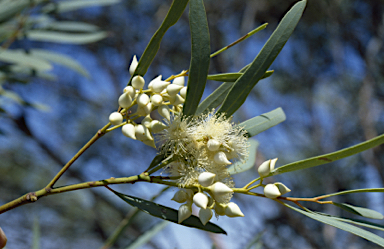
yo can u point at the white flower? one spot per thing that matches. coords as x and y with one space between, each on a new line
133 66
116 118
205 215
232 210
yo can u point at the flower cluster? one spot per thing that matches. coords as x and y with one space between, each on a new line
271 190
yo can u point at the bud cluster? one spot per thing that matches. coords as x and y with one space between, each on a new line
207 201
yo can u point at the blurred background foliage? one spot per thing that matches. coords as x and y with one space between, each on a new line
62 70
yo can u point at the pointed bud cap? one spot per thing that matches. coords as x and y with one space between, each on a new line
282 188
221 158
159 86
157 126
266 167
147 121
200 200
180 196
185 211
156 99
179 81
138 82
183 92
150 143
125 100
129 131
220 208
271 191
163 110
130 90
205 215
133 66
232 210
219 189
142 99
150 85
206 179
176 100
142 133
173 89
3 238
213 145
116 118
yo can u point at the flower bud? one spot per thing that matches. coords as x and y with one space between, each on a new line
125 100
219 189
156 99
159 86
157 126
130 90
180 196
142 99
206 179
271 191
282 188
173 89
176 100
150 85
150 143
266 167
133 66
129 131
142 133
232 210
221 158
147 121
179 81
200 200
185 211
205 215
163 110
213 145
183 92
138 82
116 118
220 208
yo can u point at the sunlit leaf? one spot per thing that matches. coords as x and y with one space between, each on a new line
263 60
147 236
263 122
239 167
71 5
10 8
200 56
61 37
167 213
21 58
232 77
365 212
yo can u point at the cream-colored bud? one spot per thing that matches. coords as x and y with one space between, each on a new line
200 200
282 188
142 133
147 121
163 110
131 91
133 66
148 108
3 239
142 99
150 85
176 100
173 89
205 215
157 126
271 191
180 196
159 86
221 158
125 100
266 167
138 82
232 210
150 143
129 131
183 92
206 179
220 208
219 189
116 118
156 99
179 81
213 145
185 211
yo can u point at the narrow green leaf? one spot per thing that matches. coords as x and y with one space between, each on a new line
72 26
36 233
352 191
341 225
23 59
200 56
147 236
357 222
167 213
263 60
10 8
19 69
365 212
214 99
263 122
174 13
156 161
330 157
232 77
71 5
239 167
60 37
60 59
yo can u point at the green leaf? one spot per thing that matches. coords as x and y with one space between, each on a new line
341 225
239 167
200 56
36 233
60 37
10 8
365 212
352 191
72 26
71 5
147 236
156 161
263 122
357 222
173 15
263 60
167 213
23 59
60 59
330 157
214 99
232 77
